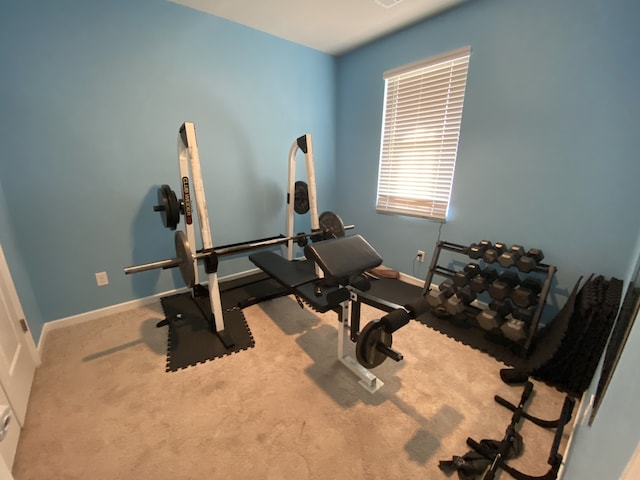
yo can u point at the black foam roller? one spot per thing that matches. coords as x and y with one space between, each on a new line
513 376
395 320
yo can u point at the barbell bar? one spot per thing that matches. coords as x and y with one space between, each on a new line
331 226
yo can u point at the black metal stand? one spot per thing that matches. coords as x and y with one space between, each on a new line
555 458
470 312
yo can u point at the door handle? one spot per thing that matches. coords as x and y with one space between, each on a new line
5 419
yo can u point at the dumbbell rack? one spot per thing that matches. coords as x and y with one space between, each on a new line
472 310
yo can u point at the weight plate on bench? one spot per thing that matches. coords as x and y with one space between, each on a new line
331 225
183 253
367 352
301 197
168 206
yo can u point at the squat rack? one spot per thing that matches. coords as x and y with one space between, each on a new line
192 190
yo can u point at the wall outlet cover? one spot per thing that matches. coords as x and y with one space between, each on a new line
102 279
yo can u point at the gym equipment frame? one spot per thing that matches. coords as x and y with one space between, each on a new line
554 460
327 225
304 144
190 173
343 260
471 309
342 288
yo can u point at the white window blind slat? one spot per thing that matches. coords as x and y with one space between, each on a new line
421 102
420 132
426 82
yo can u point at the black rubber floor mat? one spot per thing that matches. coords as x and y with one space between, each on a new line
191 339
394 290
401 293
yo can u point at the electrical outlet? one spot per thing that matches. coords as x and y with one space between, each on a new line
420 256
102 279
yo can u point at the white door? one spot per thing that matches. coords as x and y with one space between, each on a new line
9 434
18 353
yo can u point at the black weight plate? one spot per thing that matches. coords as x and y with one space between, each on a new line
168 207
331 225
302 240
183 252
301 197
366 352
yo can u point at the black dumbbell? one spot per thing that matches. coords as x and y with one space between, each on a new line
529 260
524 313
514 329
494 316
525 294
476 250
438 296
517 325
489 320
501 287
462 277
457 303
502 307
492 253
511 256
481 282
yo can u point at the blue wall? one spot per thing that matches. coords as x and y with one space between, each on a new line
17 268
548 150
547 158
91 98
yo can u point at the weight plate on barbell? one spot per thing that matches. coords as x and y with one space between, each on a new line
367 352
331 225
301 197
168 206
183 253
302 240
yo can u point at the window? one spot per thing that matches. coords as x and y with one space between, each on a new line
420 130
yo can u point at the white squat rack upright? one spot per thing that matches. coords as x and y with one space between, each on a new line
192 190
191 176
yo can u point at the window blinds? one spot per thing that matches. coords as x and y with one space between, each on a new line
421 126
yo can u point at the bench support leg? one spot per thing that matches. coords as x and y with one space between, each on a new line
369 381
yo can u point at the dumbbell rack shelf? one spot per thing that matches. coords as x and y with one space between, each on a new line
471 311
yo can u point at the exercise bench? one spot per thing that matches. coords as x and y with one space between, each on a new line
342 262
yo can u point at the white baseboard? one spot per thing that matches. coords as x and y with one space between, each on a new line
99 313
121 307
418 282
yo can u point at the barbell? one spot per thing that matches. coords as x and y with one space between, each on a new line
331 226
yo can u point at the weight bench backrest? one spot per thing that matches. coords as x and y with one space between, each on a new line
343 257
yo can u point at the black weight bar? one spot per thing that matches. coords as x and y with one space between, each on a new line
331 227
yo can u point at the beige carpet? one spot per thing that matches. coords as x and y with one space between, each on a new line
103 407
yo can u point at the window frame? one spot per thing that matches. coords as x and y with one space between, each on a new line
422 116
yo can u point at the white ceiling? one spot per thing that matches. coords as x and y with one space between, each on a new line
331 26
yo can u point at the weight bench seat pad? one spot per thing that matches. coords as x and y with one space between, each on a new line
344 256
290 273
296 275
